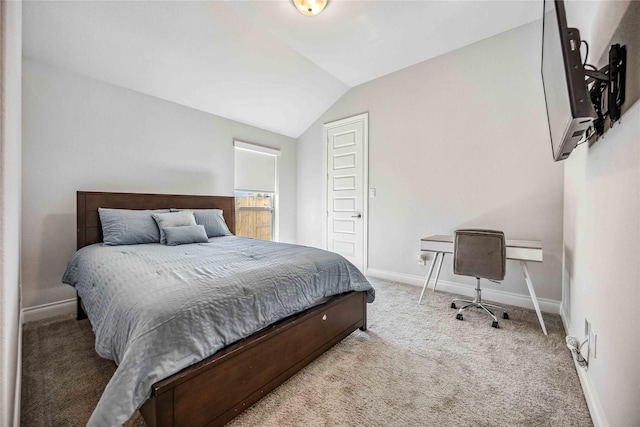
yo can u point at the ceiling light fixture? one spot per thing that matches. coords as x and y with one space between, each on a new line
310 7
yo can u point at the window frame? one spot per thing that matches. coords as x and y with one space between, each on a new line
275 196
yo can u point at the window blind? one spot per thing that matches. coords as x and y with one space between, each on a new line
255 168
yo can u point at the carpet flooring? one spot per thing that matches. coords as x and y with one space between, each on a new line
416 365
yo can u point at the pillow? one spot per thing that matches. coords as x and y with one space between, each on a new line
129 227
212 220
185 234
173 219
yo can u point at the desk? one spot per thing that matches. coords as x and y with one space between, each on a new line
519 250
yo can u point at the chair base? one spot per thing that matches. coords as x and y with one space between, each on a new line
477 303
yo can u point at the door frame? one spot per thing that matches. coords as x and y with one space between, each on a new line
364 117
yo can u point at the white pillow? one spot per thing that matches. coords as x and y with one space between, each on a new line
173 219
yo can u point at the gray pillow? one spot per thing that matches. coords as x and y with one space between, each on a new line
185 234
212 219
173 219
129 227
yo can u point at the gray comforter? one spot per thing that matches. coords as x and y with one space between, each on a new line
157 309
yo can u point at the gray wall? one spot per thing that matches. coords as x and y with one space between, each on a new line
457 141
10 142
602 228
82 134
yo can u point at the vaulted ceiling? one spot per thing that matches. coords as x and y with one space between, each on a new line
257 62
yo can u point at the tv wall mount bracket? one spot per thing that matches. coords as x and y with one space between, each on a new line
610 78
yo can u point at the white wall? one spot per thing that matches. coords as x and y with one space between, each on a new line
10 142
457 141
82 134
602 228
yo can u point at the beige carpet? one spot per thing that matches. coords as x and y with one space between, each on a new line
415 366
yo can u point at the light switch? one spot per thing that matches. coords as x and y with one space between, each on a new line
372 193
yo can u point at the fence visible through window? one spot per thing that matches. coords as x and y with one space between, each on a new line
254 215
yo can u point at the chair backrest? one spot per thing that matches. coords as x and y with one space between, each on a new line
480 253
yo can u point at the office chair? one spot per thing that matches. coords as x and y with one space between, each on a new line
480 254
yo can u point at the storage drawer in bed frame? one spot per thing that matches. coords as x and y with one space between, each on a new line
217 389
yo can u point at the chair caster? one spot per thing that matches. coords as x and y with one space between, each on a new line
505 315
453 305
495 325
459 316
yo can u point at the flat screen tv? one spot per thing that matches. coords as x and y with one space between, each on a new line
569 109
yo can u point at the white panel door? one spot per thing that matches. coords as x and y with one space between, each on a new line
346 151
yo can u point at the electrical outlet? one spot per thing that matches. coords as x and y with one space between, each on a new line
422 258
593 344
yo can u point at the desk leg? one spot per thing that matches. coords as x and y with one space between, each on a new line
438 270
527 278
426 282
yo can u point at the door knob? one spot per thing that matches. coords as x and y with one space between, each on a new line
356 216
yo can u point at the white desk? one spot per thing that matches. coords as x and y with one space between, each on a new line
519 250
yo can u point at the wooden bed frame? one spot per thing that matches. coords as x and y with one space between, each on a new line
215 390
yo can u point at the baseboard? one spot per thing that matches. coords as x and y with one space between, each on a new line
18 387
588 389
46 311
565 321
509 298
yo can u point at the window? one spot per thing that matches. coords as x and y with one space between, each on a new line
256 191
254 215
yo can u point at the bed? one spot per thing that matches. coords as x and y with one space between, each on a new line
214 389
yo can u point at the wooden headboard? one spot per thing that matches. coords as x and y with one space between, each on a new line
90 230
